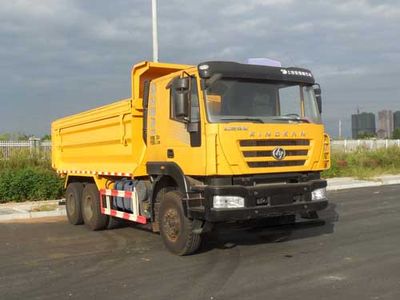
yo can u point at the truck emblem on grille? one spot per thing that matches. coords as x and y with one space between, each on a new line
279 153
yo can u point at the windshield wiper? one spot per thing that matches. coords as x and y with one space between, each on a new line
292 118
255 120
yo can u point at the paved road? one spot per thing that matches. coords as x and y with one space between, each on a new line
354 255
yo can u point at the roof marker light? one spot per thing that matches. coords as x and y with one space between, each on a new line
203 67
264 62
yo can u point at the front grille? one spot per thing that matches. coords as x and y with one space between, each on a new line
269 153
258 153
282 163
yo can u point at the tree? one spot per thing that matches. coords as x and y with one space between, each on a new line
14 136
20 136
46 137
365 135
396 134
5 136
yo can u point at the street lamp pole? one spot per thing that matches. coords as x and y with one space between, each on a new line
155 31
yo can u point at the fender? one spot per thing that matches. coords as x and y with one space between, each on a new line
172 170
85 178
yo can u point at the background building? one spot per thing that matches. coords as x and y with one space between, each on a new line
385 124
396 120
363 124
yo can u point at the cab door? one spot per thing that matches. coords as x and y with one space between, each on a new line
175 137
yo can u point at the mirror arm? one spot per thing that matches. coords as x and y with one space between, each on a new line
170 83
187 74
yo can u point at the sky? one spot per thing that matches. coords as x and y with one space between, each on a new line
59 57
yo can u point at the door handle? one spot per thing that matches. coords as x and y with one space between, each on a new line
170 153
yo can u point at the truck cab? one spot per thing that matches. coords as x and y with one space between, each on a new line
247 141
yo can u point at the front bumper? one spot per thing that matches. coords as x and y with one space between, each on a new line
261 201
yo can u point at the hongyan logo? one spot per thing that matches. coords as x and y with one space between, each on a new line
279 153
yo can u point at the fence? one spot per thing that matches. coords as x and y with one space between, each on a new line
33 146
372 144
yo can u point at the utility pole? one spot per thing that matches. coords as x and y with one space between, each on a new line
340 129
155 31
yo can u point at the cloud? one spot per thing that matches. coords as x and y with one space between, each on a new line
236 8
63 56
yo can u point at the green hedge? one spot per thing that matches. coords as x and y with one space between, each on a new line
23 177
31 183
364 163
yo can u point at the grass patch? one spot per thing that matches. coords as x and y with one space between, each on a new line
364 163
22 158
45 207
28 177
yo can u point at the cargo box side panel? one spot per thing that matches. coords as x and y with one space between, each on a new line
95 141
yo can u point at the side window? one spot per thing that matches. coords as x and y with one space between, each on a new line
194 103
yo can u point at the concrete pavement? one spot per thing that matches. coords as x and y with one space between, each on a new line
353 253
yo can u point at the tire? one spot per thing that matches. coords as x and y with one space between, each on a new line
73 196
176 230
91 213
114 223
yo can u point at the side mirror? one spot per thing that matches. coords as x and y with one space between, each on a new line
181 97
317 92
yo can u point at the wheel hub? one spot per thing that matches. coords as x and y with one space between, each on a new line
71 204
88 207
171 224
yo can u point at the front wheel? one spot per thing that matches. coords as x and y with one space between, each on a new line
175 228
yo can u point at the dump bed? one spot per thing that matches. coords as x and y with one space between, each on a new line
96 141
107 140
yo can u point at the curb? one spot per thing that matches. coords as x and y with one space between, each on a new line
32 215
391 181
353 184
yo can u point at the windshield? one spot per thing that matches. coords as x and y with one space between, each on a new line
230 100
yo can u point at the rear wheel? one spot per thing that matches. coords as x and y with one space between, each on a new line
73 196
91 212
177 230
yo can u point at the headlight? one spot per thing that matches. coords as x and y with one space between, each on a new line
228 201
318 194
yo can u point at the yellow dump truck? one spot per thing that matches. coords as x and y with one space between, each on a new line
194 146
